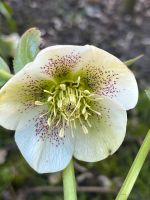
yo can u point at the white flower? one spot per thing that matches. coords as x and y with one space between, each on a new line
70 101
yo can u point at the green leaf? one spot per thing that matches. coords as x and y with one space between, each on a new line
133 60
5 49
8 45
11 24
5 10
28 48
148 93
4 72
4 66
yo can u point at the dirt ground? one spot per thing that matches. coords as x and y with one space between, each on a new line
108 24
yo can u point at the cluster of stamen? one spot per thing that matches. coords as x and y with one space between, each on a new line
67 103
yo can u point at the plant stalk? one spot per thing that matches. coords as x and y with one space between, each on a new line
69 182
135 169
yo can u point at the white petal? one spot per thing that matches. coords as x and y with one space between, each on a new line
106 134
108 76
26 87
105 74
19 95
42 148
59 60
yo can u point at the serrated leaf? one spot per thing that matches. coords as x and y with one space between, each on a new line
28 48
148 93
133 60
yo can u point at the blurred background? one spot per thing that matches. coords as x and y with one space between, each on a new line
121 27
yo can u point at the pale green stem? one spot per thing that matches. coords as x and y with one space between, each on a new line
69 182
5 75
135 169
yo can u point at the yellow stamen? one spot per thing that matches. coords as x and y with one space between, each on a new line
63 86
68 104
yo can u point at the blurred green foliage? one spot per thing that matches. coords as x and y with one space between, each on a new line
6 12
7 23
8 45
4 70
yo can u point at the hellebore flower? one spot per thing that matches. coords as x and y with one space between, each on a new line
70 101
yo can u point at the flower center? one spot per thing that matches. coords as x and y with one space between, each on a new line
69 103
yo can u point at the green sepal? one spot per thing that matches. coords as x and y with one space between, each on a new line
27 49
133 60
4 72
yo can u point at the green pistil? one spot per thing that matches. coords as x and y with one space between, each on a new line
67 103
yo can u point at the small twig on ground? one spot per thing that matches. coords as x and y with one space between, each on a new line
52 189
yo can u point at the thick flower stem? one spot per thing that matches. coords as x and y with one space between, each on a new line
69 182
135 169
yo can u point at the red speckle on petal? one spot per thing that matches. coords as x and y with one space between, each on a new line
102 81
44 132
60 64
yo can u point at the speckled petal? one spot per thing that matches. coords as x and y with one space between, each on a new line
41 146
106 134
108 76
57 61
26 87
19 95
